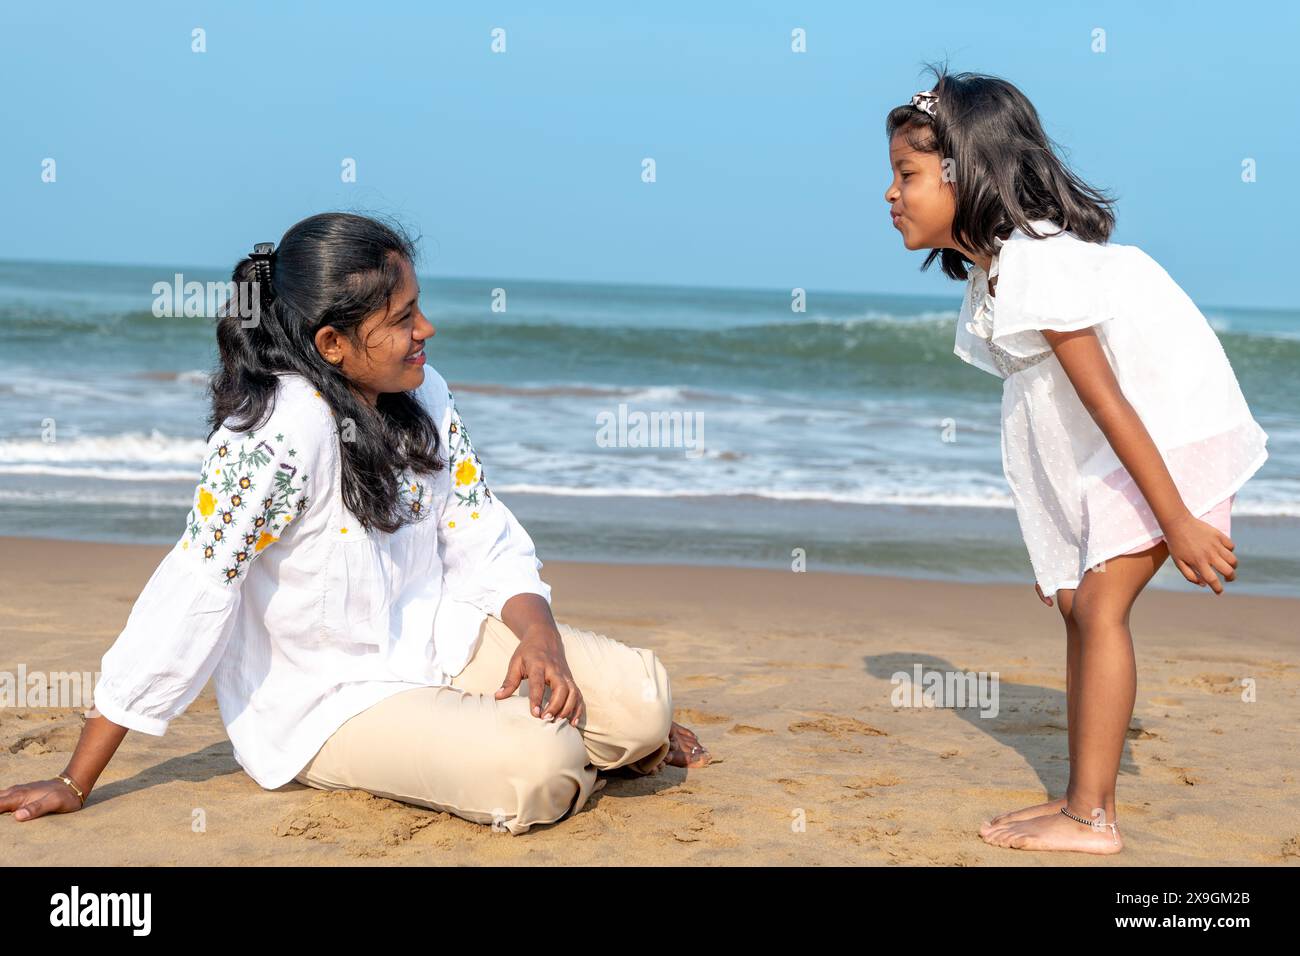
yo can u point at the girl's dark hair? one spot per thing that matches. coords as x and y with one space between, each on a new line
1004 169
332 269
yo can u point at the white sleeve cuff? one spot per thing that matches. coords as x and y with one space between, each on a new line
522 585
119 715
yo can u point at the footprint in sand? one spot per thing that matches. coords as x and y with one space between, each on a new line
871 835
1214 683
692 681
835 726
794 786
689 715
870 783
756 683
363 824
698 824
43 733
741 684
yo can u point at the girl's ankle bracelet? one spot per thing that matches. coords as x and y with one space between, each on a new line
1097 824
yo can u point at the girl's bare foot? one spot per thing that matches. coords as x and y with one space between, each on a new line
684 749
1055 831
1015 816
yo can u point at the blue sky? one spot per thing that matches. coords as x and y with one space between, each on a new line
771 166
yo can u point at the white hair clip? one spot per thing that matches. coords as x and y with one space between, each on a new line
925 100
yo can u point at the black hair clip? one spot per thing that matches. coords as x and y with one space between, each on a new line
262 255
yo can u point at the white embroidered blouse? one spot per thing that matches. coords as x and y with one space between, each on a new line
303 617
1076 503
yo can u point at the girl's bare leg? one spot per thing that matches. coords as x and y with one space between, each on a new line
1107 687
1064 603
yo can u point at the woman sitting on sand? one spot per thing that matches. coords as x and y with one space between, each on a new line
370 610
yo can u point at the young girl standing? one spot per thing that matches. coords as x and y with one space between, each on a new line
1125 436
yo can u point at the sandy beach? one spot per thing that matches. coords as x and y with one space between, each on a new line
785 676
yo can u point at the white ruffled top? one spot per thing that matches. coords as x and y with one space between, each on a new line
1076 503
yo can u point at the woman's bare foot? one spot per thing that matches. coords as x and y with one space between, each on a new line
1055 831
1015 816
684 749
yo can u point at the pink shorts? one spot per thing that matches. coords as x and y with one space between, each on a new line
1219 516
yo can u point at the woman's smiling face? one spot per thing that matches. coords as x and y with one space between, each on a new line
389 354
921 204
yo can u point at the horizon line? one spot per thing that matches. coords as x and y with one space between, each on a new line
615 283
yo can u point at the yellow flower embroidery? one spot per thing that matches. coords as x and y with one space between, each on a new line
466 473
469 488
243 507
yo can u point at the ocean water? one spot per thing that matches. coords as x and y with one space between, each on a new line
847 437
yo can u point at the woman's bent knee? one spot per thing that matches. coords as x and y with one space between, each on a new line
659 712
649 718
545 778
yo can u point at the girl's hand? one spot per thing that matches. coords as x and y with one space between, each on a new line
1199 549
541 662
1045 600
31 800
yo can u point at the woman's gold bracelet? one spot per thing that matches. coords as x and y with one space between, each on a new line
68 780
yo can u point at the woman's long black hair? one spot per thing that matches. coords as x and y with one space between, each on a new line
332 269
1006 173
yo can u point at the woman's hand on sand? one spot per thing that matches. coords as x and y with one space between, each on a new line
540 661
27 801
1199 549
1045 600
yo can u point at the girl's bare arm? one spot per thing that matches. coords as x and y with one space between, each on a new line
1194 544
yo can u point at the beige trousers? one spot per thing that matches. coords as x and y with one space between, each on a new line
491 761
